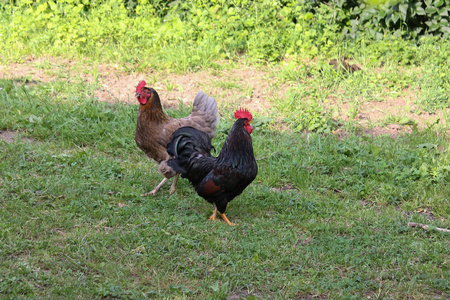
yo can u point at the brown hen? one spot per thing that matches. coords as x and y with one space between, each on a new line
154 128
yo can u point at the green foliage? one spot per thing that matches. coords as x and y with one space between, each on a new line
435 84
407 18
159 32
404 18
76 23
265 30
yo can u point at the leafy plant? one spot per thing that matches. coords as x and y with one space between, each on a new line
406 18
186 34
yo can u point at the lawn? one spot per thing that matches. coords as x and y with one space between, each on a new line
326 217
346 159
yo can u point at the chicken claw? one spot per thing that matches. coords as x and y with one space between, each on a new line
173 187
153 192
213 216
156 189
226 220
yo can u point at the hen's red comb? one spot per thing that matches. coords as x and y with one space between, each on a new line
243 113
140 86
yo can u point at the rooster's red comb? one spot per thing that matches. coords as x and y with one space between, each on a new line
243 113
140 86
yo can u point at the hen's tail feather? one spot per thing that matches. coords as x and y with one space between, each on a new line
186 143
206 108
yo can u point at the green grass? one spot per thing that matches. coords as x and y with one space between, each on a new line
326 217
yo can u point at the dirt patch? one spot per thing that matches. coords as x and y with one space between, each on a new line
10 136
396 109
392 130
31 69
283 188
248 87
243 294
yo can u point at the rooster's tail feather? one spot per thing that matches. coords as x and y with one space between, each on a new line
185 144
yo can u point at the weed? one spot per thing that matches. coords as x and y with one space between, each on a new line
169 86
227 85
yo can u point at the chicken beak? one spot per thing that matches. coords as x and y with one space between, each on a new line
137 95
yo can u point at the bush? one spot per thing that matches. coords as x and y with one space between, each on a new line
265 30
404 18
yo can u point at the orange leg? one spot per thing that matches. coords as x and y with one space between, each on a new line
226 220
213 216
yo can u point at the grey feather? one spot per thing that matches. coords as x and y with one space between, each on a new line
206 107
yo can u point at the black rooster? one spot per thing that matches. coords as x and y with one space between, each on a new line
217 179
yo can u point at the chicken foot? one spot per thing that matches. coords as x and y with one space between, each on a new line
158 187
224 217
226 220
173 187
214 215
